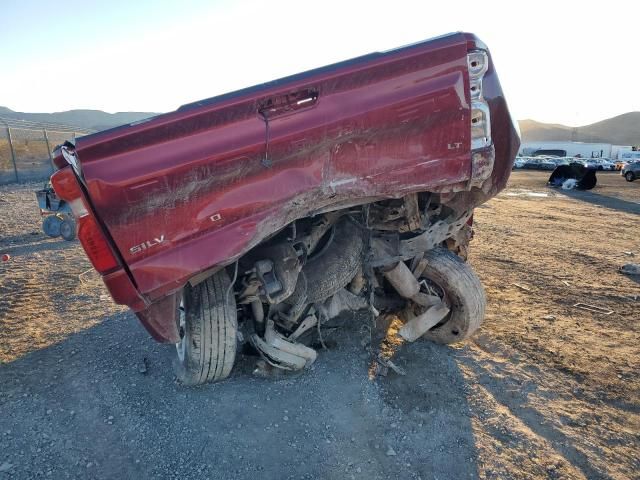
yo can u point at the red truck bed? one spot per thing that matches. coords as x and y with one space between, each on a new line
194 189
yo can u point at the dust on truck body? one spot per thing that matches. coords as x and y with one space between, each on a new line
255 209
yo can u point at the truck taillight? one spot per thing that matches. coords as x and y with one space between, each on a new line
95 244
90 233
478 64
482 149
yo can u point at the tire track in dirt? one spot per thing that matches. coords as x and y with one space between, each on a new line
24 301
42 299
554 382
500 387
575 423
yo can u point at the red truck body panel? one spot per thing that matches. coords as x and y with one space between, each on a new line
195 189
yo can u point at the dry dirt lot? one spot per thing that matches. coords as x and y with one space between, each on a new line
544 390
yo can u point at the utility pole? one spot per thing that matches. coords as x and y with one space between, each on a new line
13 153
46 139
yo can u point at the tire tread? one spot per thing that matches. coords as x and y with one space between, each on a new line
211 331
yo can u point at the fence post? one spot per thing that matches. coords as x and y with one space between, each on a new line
13 154
46 139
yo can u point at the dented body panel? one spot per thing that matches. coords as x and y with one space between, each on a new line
193 190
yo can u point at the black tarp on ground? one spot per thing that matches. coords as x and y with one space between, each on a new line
586 177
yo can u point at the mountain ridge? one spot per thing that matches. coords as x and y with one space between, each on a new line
619 130
82 118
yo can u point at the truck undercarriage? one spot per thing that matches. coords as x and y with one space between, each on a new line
383 256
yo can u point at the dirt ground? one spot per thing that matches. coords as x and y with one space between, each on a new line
543 390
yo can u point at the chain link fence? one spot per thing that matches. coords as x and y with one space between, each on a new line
26 153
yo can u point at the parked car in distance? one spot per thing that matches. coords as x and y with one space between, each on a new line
519 162
590 163
599 164
631 171
562 161
607 164
534 163
618 164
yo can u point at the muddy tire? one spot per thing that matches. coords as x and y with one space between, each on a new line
464 292
51 226
68 229
208 326
336 265
629 177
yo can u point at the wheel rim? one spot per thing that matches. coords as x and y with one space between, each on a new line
51 226
181 346
65 229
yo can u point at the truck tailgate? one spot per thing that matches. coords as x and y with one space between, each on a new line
196 188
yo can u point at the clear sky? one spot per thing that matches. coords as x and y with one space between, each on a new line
572 62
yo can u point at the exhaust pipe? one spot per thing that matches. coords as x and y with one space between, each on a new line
402 279
406 284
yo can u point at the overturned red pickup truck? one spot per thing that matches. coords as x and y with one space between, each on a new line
264 210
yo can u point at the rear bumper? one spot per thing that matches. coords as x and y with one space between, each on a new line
156 317
124 291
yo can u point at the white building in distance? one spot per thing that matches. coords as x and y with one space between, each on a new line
574 149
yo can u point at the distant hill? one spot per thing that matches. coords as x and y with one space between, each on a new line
85 119
621 130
